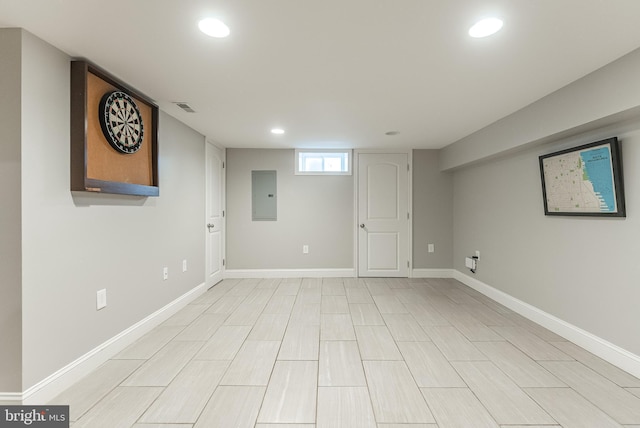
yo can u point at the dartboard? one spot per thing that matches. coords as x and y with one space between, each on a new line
121 121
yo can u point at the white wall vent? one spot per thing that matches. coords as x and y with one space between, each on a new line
186 107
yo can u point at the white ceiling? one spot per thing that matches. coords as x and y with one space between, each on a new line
337 73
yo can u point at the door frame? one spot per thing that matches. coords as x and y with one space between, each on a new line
356 199
210 145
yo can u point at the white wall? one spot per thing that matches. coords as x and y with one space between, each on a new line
312 210
76 244
10 212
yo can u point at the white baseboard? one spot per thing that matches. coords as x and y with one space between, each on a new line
432 273
290 273
324 273
614 354
57 382
10 398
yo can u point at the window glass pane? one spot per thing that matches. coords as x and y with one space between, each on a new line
323 161
332 164
312 164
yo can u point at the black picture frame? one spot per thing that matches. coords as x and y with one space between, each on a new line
568 189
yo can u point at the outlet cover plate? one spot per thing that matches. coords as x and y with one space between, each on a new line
101 299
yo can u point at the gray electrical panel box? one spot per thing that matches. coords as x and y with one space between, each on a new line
264 196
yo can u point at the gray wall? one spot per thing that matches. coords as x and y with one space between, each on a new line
312 210
432 212
10 246
76 244
581 270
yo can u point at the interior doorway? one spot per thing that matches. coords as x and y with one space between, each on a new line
383 211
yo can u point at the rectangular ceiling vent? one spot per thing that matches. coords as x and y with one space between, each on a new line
186 107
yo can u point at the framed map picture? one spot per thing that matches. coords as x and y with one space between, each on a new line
584 181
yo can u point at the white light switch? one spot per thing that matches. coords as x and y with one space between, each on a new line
165 273
184 266
101 299
431 248
305 249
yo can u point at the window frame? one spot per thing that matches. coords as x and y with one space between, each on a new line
341 152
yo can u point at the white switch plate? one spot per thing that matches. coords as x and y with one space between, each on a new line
184 265
477 254
165 273
305 249
431 248
101 299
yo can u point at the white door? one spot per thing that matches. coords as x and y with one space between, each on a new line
383 211
214 226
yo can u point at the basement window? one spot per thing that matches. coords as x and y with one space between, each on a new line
323 162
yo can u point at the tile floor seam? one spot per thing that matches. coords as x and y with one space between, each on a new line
276 359
590 400
476 396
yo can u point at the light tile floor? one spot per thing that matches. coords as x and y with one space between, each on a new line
371 353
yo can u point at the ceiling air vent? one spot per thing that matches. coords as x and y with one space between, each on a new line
186 107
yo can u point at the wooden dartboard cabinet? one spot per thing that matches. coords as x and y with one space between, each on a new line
96 166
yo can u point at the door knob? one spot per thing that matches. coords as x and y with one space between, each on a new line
210 226
362 226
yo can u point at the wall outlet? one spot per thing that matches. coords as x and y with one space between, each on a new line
165 273
470 263
101 299
477 254
431 248
305 249
184 265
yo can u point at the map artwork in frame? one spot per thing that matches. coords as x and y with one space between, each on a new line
584 181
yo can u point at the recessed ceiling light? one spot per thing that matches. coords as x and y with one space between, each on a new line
278 131
485 27
213 27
